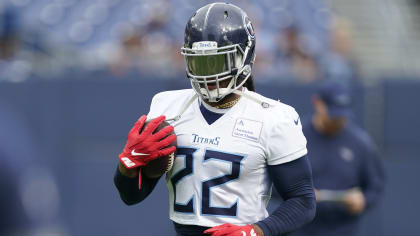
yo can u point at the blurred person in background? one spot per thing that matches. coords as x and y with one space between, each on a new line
29 198
348 174
338 63
13 217
129 54
150 48
13 63
293 59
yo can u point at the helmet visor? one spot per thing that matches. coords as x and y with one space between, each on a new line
205 65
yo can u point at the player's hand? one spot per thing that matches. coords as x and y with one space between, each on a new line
233 230
355 202
146 146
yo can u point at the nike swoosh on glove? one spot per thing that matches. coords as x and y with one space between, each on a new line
231 230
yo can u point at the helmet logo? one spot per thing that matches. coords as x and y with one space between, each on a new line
203 45
249 28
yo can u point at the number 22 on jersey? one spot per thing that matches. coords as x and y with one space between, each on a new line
206 185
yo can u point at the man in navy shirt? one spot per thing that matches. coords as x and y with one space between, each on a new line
347 172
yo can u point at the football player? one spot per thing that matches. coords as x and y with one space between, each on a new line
232 143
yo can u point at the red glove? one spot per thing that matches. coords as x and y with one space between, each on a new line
147 146
231 230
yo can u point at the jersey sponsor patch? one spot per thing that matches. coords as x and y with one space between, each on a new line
247 129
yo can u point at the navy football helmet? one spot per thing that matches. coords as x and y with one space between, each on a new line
219 46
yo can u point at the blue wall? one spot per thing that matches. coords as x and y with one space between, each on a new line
80 126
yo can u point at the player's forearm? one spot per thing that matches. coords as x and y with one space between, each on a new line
289 216
293 181
128 186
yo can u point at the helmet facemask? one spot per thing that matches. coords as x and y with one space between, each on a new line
216 67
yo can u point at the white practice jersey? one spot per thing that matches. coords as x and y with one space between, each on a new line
220 170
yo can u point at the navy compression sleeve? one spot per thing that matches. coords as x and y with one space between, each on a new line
129 187
293 181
